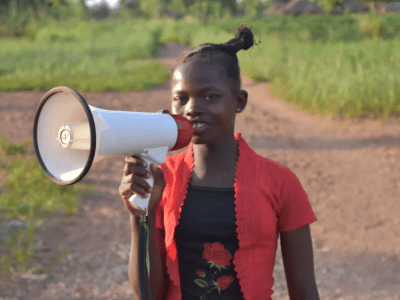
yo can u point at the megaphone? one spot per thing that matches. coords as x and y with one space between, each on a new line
69 136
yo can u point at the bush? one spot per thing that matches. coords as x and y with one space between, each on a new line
372 25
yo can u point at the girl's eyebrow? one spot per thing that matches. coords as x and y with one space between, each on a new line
207 89
202 90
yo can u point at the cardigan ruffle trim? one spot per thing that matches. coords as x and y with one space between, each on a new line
257 220
185 174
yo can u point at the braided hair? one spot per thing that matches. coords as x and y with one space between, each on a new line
224 54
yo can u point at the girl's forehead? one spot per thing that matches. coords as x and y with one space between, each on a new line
198 73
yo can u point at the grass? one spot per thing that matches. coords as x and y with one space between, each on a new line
89 56
337 65
29 196
354 79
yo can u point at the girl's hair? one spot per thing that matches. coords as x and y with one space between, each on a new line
224 54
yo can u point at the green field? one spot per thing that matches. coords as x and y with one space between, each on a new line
337 65
89 56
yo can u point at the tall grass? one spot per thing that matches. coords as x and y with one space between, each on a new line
356 79
89 56
339 65
331 65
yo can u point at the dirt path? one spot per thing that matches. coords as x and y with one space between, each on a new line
350 170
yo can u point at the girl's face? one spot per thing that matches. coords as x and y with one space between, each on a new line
202 93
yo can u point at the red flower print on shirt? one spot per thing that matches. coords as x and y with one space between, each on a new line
219 258
225 281
217 254
200 273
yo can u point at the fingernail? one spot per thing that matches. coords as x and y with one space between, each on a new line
147 175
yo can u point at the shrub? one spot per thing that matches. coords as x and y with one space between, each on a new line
372 25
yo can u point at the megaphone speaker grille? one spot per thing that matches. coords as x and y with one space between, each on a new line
59 110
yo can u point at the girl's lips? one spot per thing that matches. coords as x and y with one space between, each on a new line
199 127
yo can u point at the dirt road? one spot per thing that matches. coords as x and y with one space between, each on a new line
350 170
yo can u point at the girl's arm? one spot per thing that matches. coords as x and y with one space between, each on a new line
158 271
133 268
157 266
133 181
298 261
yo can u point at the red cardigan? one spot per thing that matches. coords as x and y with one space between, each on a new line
268 197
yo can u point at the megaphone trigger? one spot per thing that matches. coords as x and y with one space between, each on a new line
157 157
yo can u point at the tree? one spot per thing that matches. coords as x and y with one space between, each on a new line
328 5
17 14
84 10
230 5
101 10
254 8
377 5
374 5
153 8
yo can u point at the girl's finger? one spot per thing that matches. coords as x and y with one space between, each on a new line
136 169
138 190
141 182
136 160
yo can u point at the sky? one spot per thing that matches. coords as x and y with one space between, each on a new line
111 3
115 4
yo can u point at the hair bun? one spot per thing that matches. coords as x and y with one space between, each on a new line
244 34
243 40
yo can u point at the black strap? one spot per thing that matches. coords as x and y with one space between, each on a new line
144 259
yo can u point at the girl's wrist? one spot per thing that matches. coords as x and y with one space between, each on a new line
134 220
151 217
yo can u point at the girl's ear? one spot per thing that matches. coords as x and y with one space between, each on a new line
241 100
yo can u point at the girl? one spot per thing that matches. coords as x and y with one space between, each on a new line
216 209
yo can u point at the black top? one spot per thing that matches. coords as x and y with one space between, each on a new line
206 240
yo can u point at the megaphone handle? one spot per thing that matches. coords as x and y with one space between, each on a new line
155 156
137 201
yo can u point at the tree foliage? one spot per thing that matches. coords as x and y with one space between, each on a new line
201 9
19 17
328 5
254 8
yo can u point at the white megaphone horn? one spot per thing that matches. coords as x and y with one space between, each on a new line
69 136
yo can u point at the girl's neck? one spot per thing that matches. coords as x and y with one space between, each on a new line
218 153
215 164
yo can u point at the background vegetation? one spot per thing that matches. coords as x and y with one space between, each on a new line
342 65
29 197
90 56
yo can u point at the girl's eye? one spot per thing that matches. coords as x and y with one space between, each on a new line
211 96
180 99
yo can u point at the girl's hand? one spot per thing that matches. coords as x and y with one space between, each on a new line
133 182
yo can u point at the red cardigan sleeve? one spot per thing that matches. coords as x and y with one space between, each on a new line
294 208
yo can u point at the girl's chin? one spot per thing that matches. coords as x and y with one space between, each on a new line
203 139
197 140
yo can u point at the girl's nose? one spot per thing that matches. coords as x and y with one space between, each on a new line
193 108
